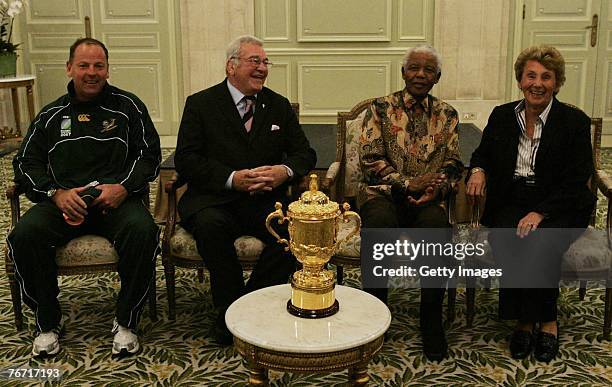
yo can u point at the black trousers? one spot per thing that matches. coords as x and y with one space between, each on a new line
384 213
32 243
216 228
522 259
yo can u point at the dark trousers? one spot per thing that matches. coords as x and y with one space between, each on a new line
523 259
216 228
384 213
32 243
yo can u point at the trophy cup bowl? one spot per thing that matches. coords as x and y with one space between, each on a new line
313 224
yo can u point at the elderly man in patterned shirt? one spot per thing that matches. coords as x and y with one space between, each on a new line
409 155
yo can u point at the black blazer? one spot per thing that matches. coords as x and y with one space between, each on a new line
563 166
212 142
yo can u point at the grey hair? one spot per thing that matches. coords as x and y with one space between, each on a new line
233 50
425 48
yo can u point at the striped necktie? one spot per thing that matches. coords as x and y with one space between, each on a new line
247 118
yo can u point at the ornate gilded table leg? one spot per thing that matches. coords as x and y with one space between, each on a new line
258 376
358 375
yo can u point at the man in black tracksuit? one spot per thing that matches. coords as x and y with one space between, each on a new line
96 135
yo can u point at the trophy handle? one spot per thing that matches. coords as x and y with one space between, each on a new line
351 214
281 219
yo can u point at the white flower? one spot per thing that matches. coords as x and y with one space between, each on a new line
15 8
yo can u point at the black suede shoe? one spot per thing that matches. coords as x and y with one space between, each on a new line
521 344
220 332
546 346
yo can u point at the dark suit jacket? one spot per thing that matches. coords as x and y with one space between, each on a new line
564 162
212 142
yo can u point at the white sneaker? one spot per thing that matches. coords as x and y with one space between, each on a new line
125 342
46 344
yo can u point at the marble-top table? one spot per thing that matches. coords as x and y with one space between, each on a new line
268 337
14 83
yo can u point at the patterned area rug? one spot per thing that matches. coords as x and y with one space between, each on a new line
181 353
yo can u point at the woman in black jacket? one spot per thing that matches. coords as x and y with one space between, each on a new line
533 163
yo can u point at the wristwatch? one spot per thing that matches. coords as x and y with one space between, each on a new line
476 169
51 192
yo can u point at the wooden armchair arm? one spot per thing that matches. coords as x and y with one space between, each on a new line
12 194
604 183
331 177
174 183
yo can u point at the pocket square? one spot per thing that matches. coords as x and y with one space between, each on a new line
274 127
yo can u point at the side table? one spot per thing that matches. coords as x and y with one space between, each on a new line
268 337
14 83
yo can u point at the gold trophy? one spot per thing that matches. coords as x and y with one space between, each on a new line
313 231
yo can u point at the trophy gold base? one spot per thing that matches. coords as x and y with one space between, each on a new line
312 301
313 313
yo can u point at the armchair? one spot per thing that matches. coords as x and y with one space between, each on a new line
342 184
179 246
83 255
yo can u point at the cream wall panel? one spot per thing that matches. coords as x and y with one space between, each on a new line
51 42
207 28
52 74
566 40
562 9
574 89
129 41
414 20
325 88
64 11
472 38
132 11
279 78
275 20
341 20
142 79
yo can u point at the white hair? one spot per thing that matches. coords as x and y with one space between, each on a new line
424 48
233 50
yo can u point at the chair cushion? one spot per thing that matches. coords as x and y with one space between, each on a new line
589 252
351 247
353 174
182 244
86 250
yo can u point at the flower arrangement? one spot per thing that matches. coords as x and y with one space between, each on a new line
8 10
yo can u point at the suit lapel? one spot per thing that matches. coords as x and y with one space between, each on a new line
549 131
228 108
513 131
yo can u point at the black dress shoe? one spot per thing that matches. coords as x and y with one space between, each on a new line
435 347
223 336
546 346
521 344
220 332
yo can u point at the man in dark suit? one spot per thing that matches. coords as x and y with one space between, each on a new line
239 145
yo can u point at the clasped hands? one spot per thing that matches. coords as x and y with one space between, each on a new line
260 179
429 185
71 204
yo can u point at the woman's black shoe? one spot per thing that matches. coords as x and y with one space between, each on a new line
546 346
521 344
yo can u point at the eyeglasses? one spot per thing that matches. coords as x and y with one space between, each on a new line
255 61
